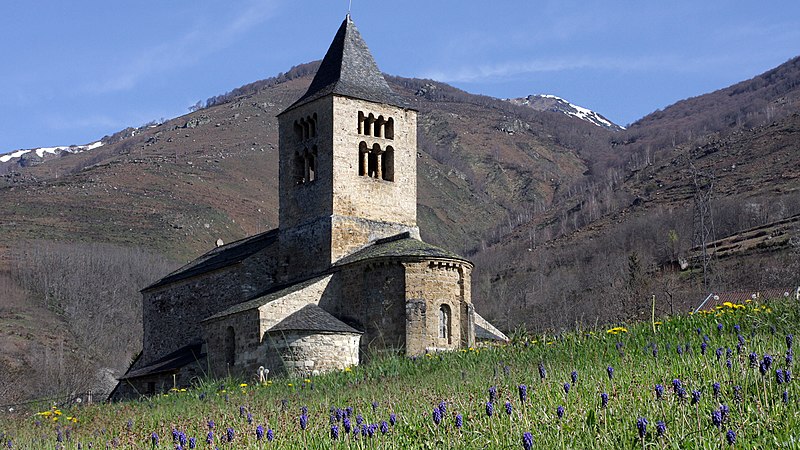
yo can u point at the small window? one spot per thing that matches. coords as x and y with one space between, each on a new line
389 129
444 323
230 347
387 164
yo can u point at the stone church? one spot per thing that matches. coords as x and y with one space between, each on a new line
344 277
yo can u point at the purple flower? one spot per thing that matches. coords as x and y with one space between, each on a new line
741 339
241 411
443 407
566 388
210 424
249 418
437 416
785 396
731 437
788 375
661 428
542 371
392 418
679 349
716 388
334 432
489 409
560 412
737 327
719 327
716 418
641 425
508 408
259 433
718 352
192 442
762 368
346 424
695 397
659 391
303 421
359 419
753 359
59 436
304 410
527 441
724 411
523 393
703 348
574 376
779 376
789 357
492 394
459 421
210 438
384 427
270 435
610 371
789 341
737 393
603 400
655 351
728 363
767 361
230 434
375 406
728 353
676 385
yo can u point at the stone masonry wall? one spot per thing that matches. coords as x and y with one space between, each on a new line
172 314
429 285
304 354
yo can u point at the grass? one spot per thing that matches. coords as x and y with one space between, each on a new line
413 388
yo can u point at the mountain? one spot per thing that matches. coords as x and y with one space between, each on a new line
566 220
27 157
552 103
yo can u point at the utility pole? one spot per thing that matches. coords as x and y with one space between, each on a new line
703 223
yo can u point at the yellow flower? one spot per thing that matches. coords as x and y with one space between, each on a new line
347 369
243 385
307 380
289 384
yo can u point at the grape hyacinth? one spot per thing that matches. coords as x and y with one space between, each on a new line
574 376
270 435
610 371
718 353
695 397
443 407
560 412
303 421
459 421
392 419
489 409
753 359
785 397
731 437
334 432
767 361
492 394
508 408
230 434
527 441
716 388
725 411
346 424
523 393
659 391
192 443
661 428
779 378
641 425
703 348
437 416
542 371
384 427
603 400
719 327
789 341
566 388
716 418
787 374
259 433
210 438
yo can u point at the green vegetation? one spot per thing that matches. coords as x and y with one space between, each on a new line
760 400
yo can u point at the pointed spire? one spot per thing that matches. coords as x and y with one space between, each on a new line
349 69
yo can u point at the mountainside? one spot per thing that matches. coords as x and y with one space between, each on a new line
566 220
557 104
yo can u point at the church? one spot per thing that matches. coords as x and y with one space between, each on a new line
343 278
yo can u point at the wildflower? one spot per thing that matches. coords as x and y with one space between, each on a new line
574 376
789 341
489 409
384 427
542 371
359 419
527 440
719 327
753 359
566 388
508 408
210 438
437 416
779 376
443 407
703 348
641 425
603 400
375 406
303 421
695 397
728 363
716 388
789 357
718 352
787 374
259 433
210 424
459 421
192 442
739 348
392 419
154 439
241 411
659 391
610 371
716 418
767 361
728 353
230 434
661 428
560 412
346 424
762 367
785 396
523 393
679 349
492 394
737 327
655 351
334 432
249 418
270 435
737 393
731 437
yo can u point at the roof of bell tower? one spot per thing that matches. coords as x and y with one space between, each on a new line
349 69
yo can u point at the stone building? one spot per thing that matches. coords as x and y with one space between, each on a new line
344 276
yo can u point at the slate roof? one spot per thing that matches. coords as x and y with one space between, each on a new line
312 318
220 257
179 358
401 245
349 70
266 297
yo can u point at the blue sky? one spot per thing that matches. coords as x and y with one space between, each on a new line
73 71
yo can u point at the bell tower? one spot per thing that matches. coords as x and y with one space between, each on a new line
348 149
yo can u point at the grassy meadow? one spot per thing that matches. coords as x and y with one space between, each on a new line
714 379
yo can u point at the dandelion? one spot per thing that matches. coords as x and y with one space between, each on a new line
334 432
641 425
566 388
527 441
508 408
523 393
259 433
560 412
610 371
603 400
459 421
731 437
659 391
489 409
661 428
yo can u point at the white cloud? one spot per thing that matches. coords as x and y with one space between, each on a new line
184 51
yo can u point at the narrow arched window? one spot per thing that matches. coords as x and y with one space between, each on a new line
369 122
363 156
230 346
374 169
299 173
444 323
361 122
312 164
387 164
379 126
388 132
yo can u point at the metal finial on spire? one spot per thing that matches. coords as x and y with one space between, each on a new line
349 7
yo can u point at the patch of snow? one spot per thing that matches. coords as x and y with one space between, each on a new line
10 156
40 152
